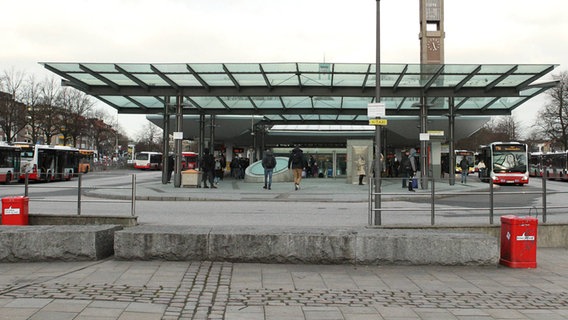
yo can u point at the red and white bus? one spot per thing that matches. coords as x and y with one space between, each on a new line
506 163
48 163
148 160
553 165
9 163
189 160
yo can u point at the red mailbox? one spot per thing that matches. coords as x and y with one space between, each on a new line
15 211
518 241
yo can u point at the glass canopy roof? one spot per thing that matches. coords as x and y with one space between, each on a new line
306 92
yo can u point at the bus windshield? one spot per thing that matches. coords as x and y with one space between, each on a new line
509 158
142 156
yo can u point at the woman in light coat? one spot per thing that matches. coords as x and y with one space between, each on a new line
361 169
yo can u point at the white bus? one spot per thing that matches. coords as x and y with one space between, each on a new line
9 163
148 160
48 163
506 163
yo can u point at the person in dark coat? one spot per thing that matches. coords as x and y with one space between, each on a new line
170 168
297 163
207 167
464 166
268 163
408 167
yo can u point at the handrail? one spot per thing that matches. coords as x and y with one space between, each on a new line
433 195
81 188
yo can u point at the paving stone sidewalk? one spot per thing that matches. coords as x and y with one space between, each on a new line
141 290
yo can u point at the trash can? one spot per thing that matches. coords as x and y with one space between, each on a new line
190 178
518 241
15 211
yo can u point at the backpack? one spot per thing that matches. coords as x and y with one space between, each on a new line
464 165
406 166
271 163
297 158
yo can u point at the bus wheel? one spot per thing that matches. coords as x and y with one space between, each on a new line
8 178
87 169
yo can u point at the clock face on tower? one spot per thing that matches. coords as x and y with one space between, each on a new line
433 44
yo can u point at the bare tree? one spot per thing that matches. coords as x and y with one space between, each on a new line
12 112
503 128
507 127
149 138
553 118
48 111
103 131
32 98
75 106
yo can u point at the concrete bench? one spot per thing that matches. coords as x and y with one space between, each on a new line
306 245
56 242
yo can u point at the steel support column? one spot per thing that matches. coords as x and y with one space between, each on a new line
178 142
165 140
451 151
201 135
212 134
424 169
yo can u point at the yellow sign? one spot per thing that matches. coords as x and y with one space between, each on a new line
436 133
378 122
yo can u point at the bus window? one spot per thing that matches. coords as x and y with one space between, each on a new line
9 163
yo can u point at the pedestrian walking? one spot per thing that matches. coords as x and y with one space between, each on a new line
464 166
170 167
235 167
409 167
481 168
297 163
268 163
313 166
207 167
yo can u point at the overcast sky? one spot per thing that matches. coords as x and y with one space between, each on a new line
198 31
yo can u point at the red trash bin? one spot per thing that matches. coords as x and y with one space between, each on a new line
518 241
15 211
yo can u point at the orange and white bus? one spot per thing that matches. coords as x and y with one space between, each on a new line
148 160
48 163
9 163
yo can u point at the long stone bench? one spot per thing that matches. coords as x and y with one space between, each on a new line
56 242
306 245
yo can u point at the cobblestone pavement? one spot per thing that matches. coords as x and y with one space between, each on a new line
141 290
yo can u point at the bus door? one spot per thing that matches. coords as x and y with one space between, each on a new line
46 164
66 162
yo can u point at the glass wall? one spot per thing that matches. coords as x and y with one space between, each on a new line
322 162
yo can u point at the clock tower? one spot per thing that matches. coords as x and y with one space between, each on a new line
431 32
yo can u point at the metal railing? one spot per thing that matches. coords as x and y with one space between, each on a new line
376 209
81 190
